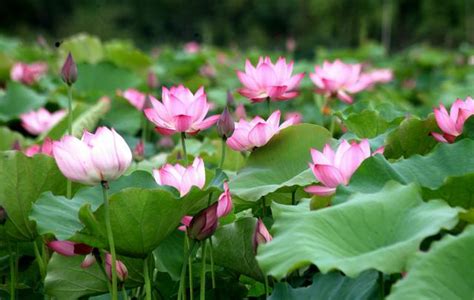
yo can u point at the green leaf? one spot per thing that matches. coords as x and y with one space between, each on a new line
233 248
283 162
331 286
103 79
444 272
371 231
429 171
367 124
19 99
22 180
84 48
58 215
9 137
84 117
457 191
126 55
168 256
413 136
124 117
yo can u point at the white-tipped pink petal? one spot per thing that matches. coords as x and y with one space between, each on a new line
320 190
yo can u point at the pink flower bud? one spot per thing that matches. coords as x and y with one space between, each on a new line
3 215
46 148
261 235
225 124
122 272
224 204
139 151
204 223
240 112
69 70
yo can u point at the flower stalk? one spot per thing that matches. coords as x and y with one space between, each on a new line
203 271
146 274
110 237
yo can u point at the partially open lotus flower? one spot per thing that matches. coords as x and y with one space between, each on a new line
204 224
338 79
268 80
452 123
37 122
261 235
102 156
182 178
180 111
335 168
256 133
224 203
28 73
67 248
122 271
46 148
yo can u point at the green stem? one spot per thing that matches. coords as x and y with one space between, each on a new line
213 278
209 199
293 197
264 209
110 238
182 291
203 271
183 145
332 125
124 293
39 260
269 106
267 292
12 272
146 273
101 262
382 286
221 164
69 131
190 269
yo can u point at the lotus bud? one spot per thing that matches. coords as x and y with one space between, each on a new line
139 151
225 124
204 224
122 272
3 215
261 235
152 80
69 70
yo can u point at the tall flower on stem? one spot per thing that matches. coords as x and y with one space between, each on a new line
452 123
225 128
96 158
335 168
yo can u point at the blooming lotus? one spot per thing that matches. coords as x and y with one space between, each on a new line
373 77
256 133
452 123
338 79
28 73
67 248
335 168
182 178
46 148
180 111
268 80
37 122
135 98
96 158
261 235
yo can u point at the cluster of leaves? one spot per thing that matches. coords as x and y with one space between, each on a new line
405 214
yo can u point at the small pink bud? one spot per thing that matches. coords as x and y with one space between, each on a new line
166 142
152 80
69 70
261 235
225 124
139 151
3 215
224 204
122 272
204 224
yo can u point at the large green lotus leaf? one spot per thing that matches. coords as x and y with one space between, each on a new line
66 279
413 136
125 55
103 78
446 271
368 123
233 249
141 218
430 171
169 255
457 191
19 99
58 215
370 231
331 286
84 48
22 180
124 117
9 137
283 162
84 117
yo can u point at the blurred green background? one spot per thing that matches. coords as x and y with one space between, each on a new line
267 24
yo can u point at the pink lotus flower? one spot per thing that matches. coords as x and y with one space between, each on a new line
261 235
333 169
98 157
28 73
268 80
452 123
240 112
180 111
337 79
376 76
192 47
37 122
46 148
122 272
67 248
296 116
204 224
256 133
135 97
182 178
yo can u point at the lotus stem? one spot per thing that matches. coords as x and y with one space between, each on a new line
213 278
203 271
382 285
183 145
187 253
146 273
110 237
269 107
69 131
13 264
266 287
221 164
190 268
39 260
124 293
